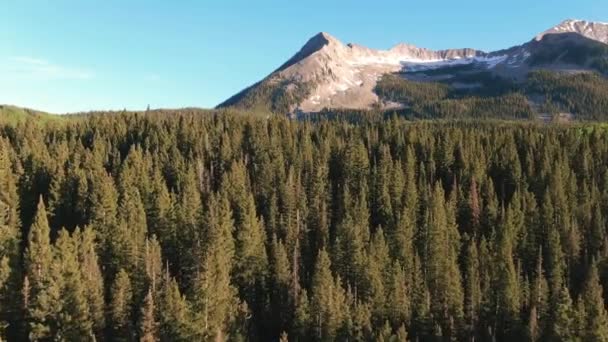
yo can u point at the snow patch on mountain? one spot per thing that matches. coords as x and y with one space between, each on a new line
337 75
344 75
593 30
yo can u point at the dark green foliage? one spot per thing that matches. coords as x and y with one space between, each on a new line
567 48
74 318
215 298
563 327
584 94
510 106
494 98
328 302
601 64
595 316
490 96
121 307
224 227
148 327
488 83
43 299
397 89
175 314
10 240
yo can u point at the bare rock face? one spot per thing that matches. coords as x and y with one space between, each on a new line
341 75
592 30
330 74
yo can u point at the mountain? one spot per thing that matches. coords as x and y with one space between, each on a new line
14 114
327 73
588 29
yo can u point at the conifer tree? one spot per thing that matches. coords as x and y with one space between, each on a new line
403 237
401 334
596 315
74 321
318 203
188 217
443 275
539 305
44 295
358 318
148 326
103 199
384 333
377 276
153 265
383 201
175 314
563 327
356 166
215 296
490 208
398 300
597 232
472 298
302 316
121 307
555 263
507 286
474 208
421 300
251 263
350 251
160 221
352 235
10 238
132 220
38 255
328 300
92 278
280 276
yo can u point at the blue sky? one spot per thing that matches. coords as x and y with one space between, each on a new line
79 55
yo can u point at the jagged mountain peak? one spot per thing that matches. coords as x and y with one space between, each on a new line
327 37
325 46
401 46
594 30
316 43
319 40
579 22
326 73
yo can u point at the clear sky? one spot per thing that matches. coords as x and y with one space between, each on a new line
78 55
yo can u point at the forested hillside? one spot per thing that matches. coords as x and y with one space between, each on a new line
585 95
200 227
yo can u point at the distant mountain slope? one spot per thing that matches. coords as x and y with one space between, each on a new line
14 114
326 73
592 30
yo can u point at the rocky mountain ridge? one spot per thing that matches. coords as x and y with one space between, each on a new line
327 73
